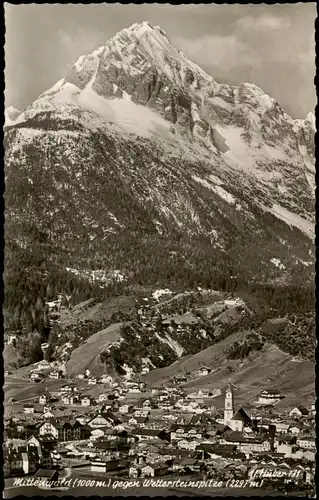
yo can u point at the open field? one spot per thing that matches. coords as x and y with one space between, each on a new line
87 355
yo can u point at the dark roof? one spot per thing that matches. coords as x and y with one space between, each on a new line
238 437
242 416
302 409
45 473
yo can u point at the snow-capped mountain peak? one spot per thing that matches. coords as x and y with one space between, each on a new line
10 115
139 83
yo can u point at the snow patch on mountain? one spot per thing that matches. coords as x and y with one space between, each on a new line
292 219
10 115
217 189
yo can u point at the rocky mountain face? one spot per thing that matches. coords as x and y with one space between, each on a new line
141 162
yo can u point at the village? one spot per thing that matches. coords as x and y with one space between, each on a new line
130 430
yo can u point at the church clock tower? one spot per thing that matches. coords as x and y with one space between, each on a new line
229 404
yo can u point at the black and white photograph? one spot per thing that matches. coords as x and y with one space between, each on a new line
159 258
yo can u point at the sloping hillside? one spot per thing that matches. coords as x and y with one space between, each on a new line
269 368
87 355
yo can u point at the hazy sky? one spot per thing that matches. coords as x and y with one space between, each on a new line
269 45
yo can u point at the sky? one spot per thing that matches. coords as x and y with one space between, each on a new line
271 46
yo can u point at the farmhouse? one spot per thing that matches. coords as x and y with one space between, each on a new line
299 411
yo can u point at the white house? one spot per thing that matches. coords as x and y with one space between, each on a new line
86 400
99 421
27 408
281 427
268 397
48 414
54 374
35 376
83 419
106 379
307 442
47 428
102 397
187 445
80 376
204 371
294 430
44 399
96 434
125 408
92 381
298 411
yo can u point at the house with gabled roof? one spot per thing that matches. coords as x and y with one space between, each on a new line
299 411
239 420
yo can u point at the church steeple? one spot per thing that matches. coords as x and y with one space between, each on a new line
229 403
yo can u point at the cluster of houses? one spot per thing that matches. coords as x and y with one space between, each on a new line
163 434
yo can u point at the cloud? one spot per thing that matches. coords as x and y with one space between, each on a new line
222 51
264 22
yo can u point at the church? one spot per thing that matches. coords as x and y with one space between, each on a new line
239 420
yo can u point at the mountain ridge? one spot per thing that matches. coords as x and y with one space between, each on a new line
138 161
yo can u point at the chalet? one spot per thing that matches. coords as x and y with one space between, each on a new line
281 427
44 398
83 419
306 442
87 401
154 470
269 397
139 421
141 412
185 432
92 381
186 444
43 365
106 379
48 414
100 420
145 369
309 455
55 374
134 390
204 371
299 411
70 399
102 397
107 407
28 408
186 464
36 376
47 407
126 408
97 434
49 428
68 389
80 376
294 430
